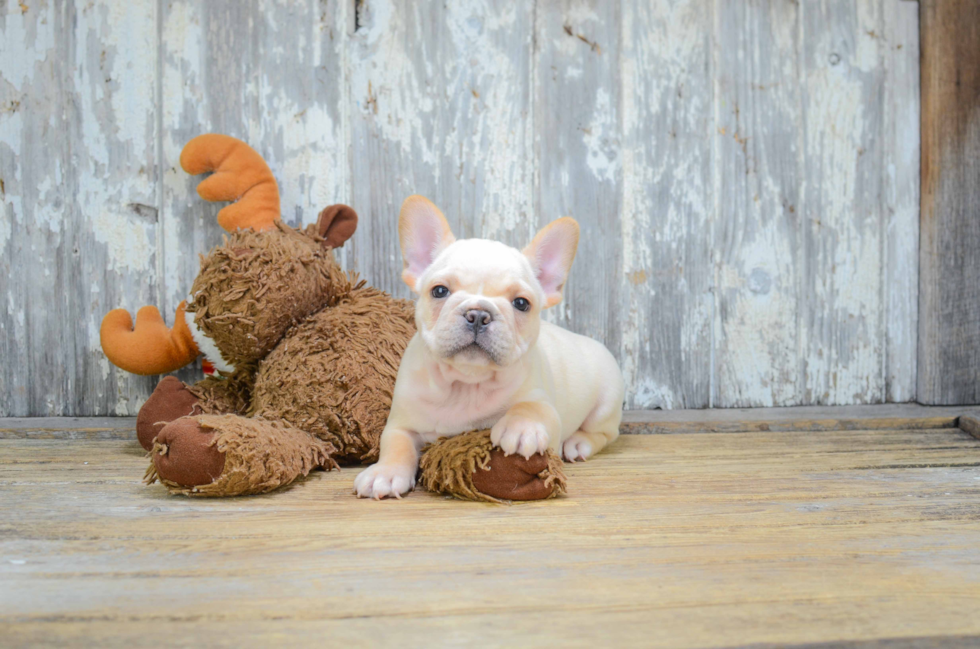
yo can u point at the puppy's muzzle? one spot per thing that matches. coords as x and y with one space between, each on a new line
477 320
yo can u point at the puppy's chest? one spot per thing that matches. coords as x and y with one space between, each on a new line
460 407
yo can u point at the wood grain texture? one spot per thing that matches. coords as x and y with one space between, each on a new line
842 228
79 184
782 538
900 169
665 316
92 428
578 154
894 416
440 106
760 178
949 293
744 174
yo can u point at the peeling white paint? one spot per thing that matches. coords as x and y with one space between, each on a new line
603 159
637 212
901 198
391 89
112 51
26 42
845 345
648 391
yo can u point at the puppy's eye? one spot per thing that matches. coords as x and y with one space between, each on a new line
521 304
439 292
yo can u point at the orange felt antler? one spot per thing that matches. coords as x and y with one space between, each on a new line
240 174
153 347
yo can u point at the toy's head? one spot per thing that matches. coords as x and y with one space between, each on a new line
264 278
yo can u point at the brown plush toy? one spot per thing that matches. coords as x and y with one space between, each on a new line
306 355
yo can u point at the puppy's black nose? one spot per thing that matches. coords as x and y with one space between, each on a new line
478 319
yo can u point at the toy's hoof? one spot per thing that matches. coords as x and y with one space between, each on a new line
184 454
512 477
468 466
170 401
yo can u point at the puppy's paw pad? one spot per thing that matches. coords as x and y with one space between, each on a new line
576 448
519 435
384 480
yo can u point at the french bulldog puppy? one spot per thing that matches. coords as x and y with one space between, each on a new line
482 357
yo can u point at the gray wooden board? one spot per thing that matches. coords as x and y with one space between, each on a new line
577 150
78 138
842 313
900 166
949 290
668 99
744 173
758 167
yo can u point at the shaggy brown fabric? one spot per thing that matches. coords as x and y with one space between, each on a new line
468 467
259 456
256 285
170 400
316 352
334 374
184 454
226 393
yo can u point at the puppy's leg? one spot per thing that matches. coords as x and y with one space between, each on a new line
527 428
394 473
600 428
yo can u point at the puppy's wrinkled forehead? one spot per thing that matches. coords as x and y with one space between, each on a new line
476 263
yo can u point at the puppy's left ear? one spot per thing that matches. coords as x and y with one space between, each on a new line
423 233
551 254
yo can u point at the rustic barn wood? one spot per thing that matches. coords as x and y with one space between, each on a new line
760 175
900 198
949 290
863 537
744 173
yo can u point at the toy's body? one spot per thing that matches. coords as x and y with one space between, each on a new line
307 354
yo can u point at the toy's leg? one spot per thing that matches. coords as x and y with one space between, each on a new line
600 429
170 400
230 455
468 466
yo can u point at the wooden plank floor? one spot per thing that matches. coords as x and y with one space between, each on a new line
692 540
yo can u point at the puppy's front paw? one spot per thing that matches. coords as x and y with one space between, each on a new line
382 480
520 435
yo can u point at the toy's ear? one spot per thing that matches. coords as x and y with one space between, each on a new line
424 233
551 254
337 224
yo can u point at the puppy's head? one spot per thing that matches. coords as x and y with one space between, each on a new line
480 301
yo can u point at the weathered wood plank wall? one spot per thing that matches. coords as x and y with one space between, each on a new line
745 173
949 299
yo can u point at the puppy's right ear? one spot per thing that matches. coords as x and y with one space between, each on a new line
424 233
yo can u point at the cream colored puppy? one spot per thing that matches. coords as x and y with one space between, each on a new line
482 357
